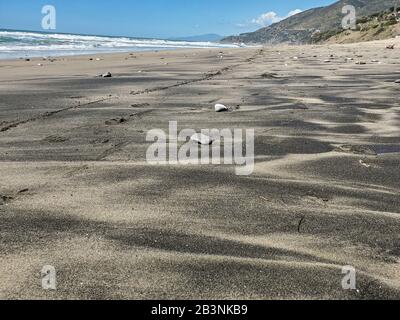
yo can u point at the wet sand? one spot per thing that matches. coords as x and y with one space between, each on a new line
77 193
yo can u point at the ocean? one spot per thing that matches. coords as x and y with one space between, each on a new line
26 44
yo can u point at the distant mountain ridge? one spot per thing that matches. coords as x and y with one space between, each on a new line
200 38
300 28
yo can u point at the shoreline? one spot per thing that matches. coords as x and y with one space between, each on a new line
395 41
115 52
124 53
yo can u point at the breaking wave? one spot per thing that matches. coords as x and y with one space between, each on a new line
18 44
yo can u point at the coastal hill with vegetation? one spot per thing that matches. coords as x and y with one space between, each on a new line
378 26
323 23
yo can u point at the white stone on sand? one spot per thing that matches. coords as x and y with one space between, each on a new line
202 139
220 108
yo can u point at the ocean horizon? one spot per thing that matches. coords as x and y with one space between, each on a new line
16 44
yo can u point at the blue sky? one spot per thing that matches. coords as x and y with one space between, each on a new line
151 18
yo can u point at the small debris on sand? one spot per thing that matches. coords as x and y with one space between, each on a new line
313 194
361 62
268 75
364 164
140 105
221 108
55 139
390 46
4 199
397 81
356 150
115 121
106 75
100 141
202 139
300 223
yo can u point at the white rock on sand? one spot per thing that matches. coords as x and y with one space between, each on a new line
202 139
220 108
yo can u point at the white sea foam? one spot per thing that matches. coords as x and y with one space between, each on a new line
14 44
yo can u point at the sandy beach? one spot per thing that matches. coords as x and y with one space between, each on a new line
77 193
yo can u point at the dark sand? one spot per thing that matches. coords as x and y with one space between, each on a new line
77 193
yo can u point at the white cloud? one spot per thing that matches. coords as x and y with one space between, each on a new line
272 17
294 12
